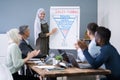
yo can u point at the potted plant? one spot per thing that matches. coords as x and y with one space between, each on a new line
58 57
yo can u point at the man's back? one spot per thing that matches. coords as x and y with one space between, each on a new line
112 59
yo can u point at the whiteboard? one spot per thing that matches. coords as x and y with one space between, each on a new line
67 21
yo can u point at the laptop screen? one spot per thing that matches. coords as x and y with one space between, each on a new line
70 59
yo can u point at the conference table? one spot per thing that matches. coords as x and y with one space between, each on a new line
68 72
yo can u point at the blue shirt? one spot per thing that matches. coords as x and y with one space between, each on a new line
108 56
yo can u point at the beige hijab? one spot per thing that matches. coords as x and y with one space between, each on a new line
37 24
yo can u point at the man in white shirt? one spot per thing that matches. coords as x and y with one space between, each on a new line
93 49
79 53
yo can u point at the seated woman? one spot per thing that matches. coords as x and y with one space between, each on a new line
14 58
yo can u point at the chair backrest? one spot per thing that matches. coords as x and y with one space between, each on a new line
5 73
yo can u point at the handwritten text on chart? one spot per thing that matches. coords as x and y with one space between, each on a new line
73 11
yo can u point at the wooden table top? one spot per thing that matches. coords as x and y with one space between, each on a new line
68 72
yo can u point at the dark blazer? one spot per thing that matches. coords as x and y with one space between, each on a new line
25 48
108 56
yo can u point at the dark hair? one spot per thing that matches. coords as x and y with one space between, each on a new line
92 27
104 33
22 29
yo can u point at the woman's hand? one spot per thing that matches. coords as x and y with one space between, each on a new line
35 53
54 30
31 54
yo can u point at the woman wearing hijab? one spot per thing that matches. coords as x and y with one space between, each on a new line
41 33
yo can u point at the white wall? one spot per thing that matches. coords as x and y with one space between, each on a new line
109 16
3 47
103 12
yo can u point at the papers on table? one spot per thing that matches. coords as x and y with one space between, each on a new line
46 67
37 61
78 60
50 67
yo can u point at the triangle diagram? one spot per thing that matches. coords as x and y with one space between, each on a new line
64 23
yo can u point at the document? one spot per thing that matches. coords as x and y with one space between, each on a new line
46 67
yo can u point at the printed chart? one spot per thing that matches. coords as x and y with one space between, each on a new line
67 20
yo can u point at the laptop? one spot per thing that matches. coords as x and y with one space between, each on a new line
70 59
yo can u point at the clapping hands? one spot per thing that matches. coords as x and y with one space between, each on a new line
82 44
33 54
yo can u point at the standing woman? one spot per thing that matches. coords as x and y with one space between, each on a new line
41 33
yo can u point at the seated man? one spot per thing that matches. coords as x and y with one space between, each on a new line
93 49
25 47
108 54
